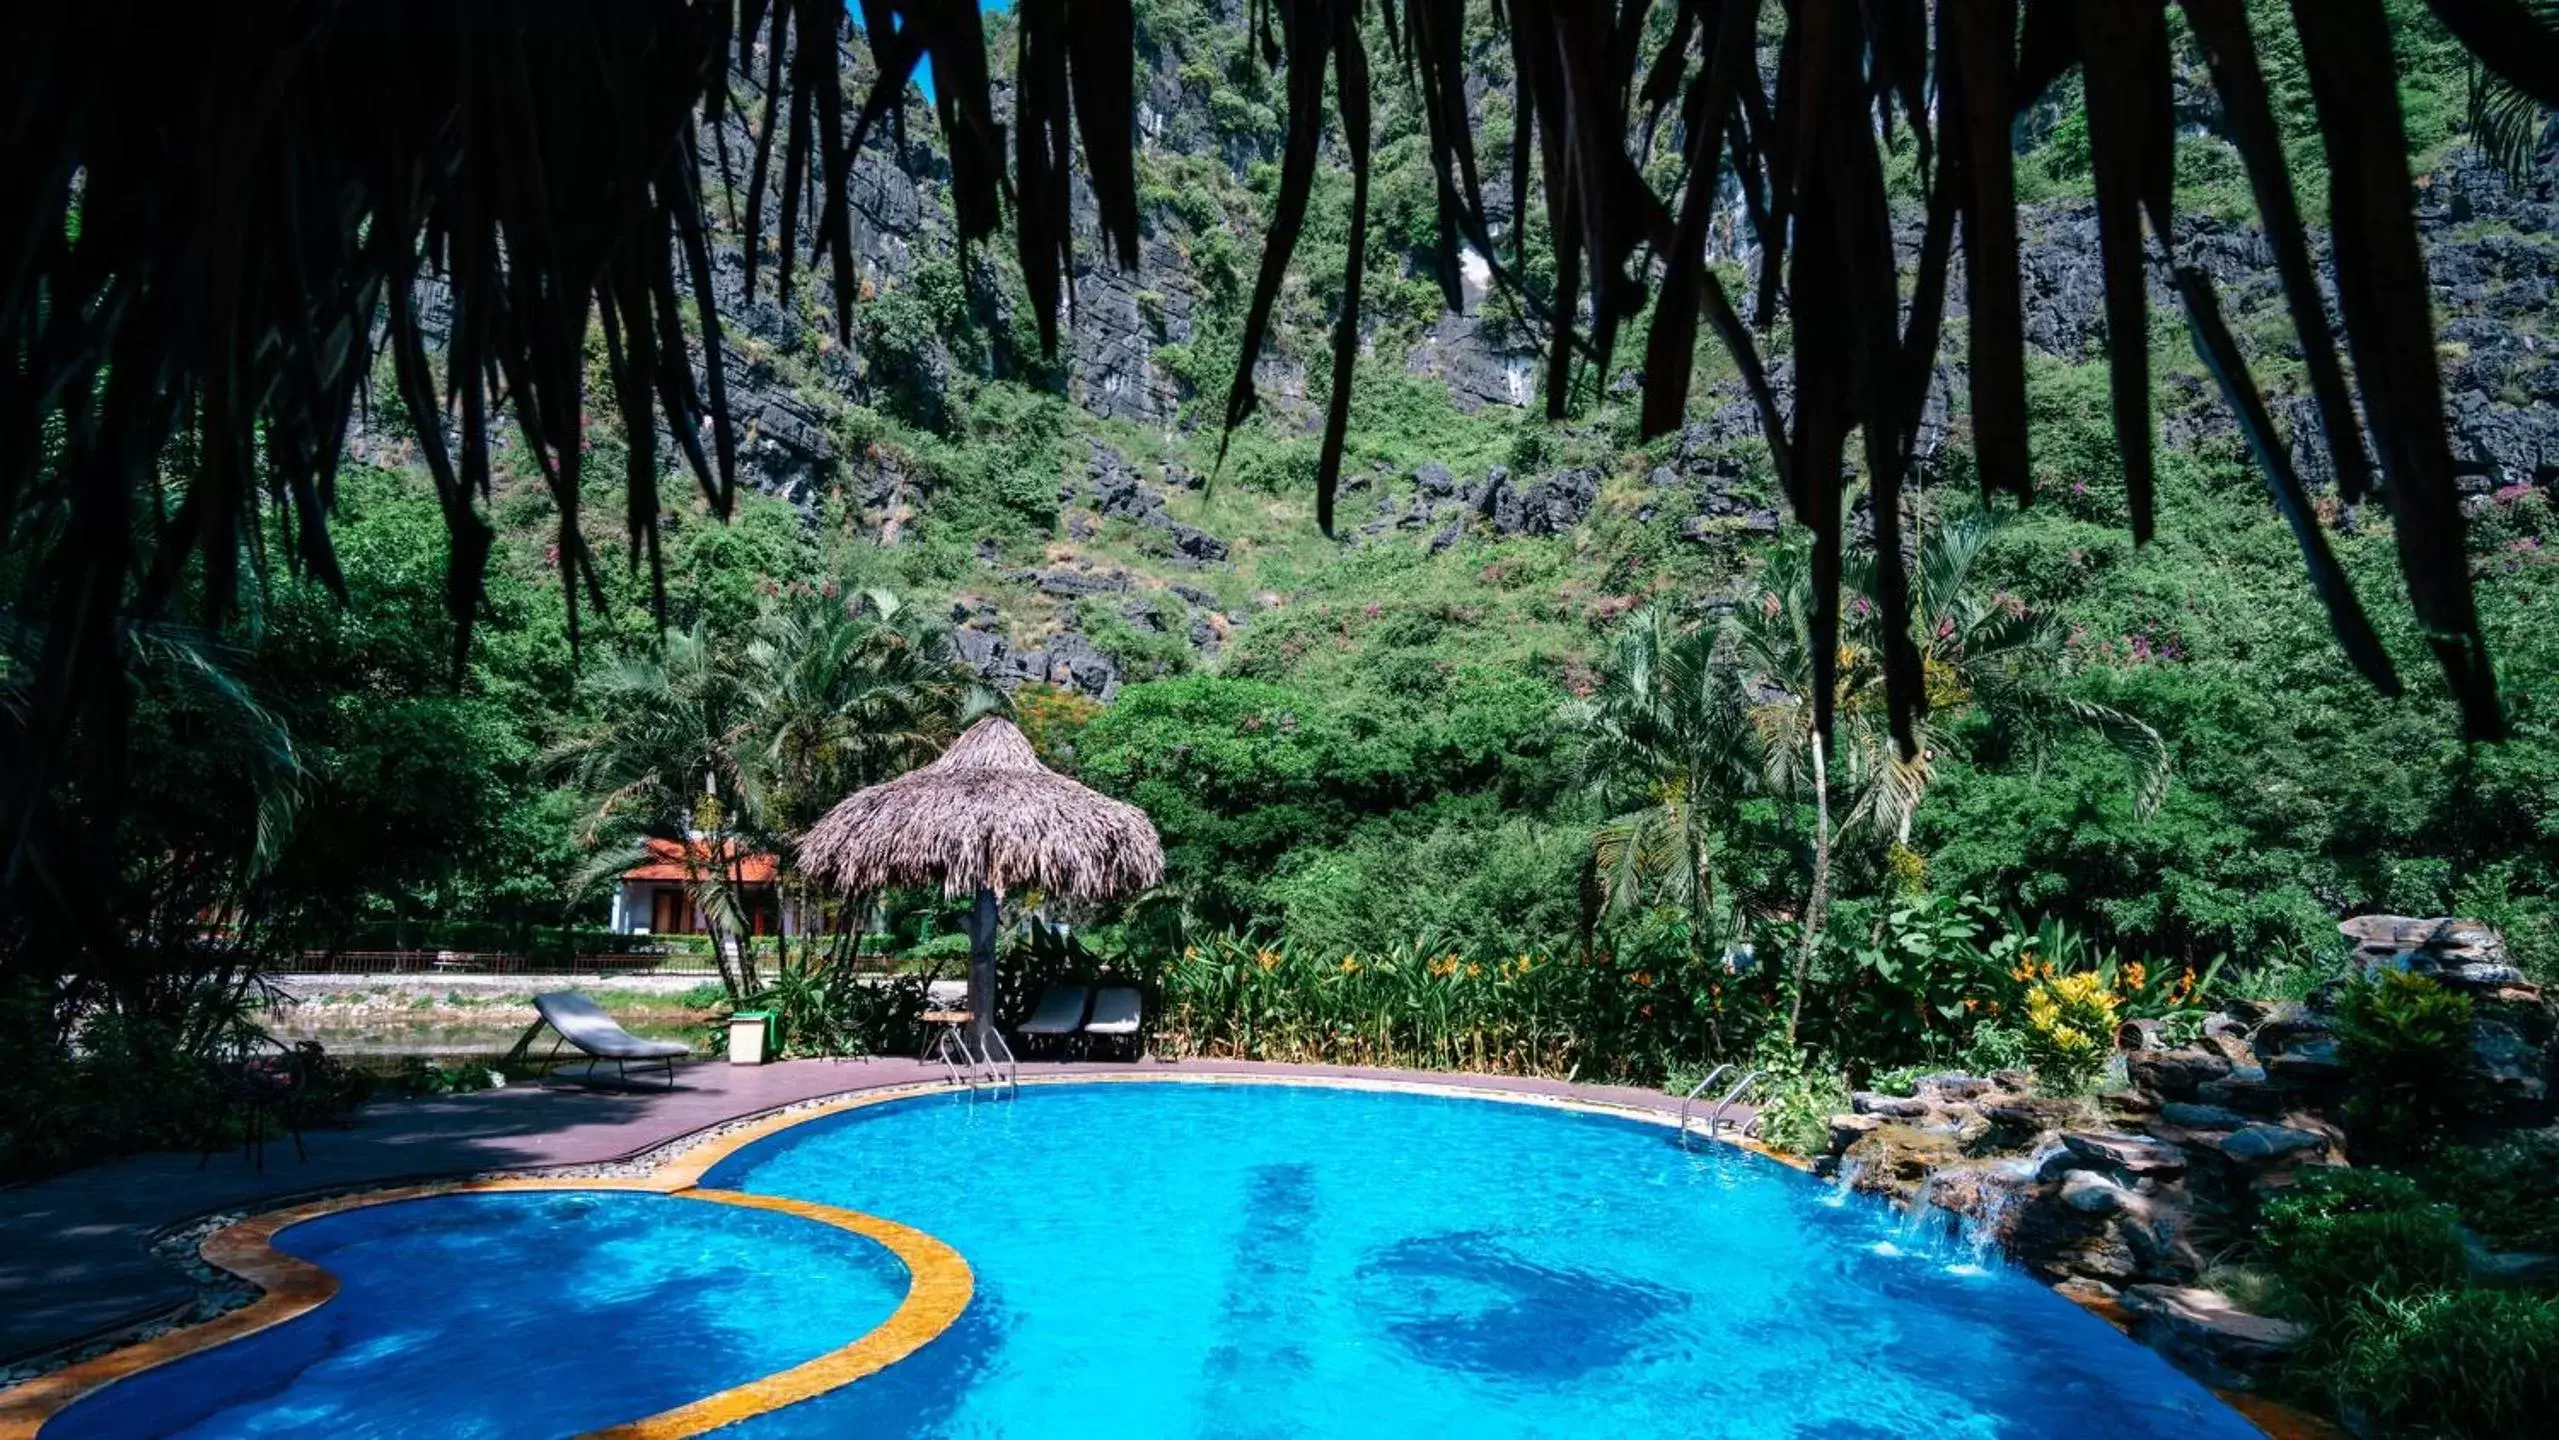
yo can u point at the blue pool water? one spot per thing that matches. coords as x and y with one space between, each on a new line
519 1314
1266 1261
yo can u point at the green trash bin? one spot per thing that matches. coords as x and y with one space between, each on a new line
752 1038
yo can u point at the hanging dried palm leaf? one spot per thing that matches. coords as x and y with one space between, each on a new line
214 217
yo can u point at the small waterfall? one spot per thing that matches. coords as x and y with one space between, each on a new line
1985 1229
1844 1184
1923 1218
1959 1214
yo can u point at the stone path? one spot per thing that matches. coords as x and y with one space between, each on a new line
75 1250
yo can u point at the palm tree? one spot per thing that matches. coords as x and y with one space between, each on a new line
629 108
211 785
1669 751
738 749
669 758
1987 660
847 694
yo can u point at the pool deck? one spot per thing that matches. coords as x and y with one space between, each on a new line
75 1250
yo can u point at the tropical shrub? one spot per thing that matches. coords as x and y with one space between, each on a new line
1944 980
2407 1041
1926 979
2446 1362
2341 1236
1997 1045
123 1087
1798 1094
2508 1193
1428 1005
2070 1030
831 1009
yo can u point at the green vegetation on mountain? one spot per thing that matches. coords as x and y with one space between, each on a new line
1517 775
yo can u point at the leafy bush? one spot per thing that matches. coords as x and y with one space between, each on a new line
123 1088
2070 1030
2407 1040
948 945
2451 1362
2508 1193
2341 1236
833 1010
1424 1004
1995 1045
1796 1099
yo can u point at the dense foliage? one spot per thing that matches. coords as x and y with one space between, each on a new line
1539 804
2406 1341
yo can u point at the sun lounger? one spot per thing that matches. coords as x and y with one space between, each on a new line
1116 1015
581 1023
1060 1013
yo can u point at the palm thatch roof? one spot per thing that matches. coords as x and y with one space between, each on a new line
986 815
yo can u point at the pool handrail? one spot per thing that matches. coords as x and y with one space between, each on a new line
1715 1121
1718 1073
1011 1074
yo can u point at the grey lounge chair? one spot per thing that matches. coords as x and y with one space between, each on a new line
1117 1014
1059 1014
582 1023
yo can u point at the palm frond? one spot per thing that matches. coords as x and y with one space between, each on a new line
2514 114
218 215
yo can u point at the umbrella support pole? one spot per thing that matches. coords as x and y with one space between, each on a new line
981 998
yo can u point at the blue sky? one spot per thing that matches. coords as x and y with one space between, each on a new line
924 72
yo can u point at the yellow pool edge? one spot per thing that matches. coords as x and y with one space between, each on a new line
939 1286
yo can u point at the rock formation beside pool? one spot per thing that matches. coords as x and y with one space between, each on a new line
2464 954
2121 1199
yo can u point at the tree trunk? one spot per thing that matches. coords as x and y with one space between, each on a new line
745 919
982 968
1701 882
1810 938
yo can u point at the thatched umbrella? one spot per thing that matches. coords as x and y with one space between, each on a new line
988 818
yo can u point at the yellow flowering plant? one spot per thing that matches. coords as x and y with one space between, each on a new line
2070 1029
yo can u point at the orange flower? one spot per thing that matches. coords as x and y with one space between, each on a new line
1644 979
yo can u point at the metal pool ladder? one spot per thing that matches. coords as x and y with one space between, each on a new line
1715 1117
992 1065
1010 1076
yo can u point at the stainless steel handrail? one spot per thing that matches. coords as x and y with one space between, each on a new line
1718 1073
1012 1072
1715 1121
943 1044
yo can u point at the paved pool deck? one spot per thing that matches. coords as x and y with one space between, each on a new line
75 1250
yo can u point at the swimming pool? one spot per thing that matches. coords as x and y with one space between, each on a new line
1271 1260
1226 1259
518 1313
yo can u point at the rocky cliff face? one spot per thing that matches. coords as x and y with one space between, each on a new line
2493 251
